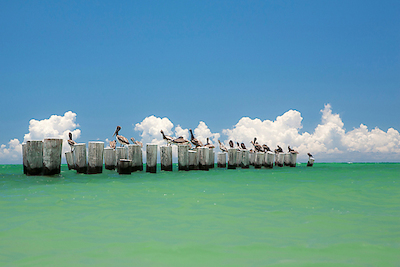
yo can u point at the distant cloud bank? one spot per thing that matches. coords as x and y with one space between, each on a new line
328 142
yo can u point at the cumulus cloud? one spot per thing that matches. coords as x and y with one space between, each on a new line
54 127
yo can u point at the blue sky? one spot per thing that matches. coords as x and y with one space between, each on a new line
117 63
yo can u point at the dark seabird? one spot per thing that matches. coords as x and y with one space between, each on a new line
195 142
231 143
121 139
243 146
222 147
167 138
279 149
71 142
309 154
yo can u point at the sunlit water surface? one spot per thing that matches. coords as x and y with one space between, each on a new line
326 215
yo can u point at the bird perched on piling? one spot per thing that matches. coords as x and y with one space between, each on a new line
136 142
121 139
243 146
231 143
279 149
309 154
266 148
71 142
180 140
222 147
209 145
167 138
292 150
257 147
195 142
113 144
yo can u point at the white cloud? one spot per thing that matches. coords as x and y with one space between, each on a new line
54 127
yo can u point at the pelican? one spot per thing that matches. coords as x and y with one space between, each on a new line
209 145
222 147
113 144
180 140
309 154
167 138
257 147
136 142
279 149
243 146
292 150
266 148
231 143
195 142
121 139
71 142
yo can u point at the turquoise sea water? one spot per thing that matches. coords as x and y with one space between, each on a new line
327 215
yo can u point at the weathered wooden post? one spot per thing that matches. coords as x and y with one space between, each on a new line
279 158
24 157
52 148
120 153
166 158
136 157
109 158
33 159
193 160
80 158
124 166
221 160
69 157
252 158
211 159
286 160
310 162
293 159
151 158
269 159
203 154
95 157
239 158
259 160
183 157
232 153
245 159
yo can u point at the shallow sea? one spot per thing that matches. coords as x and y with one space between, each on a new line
333 214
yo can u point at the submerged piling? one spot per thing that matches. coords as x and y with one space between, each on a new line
259 160
52 148
193 160
221 160
33 157
136 157
183 157
245 159
95 157
69 157
269 159
232 153
109 158
203 154
166 158
151 158
80 162
124 166
120 153
310 162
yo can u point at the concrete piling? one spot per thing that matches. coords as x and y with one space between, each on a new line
211 159
109 158
269 159
95 157
183 157
52 148
193 160
69 157
151 158
286 160
120 153
259 160
310 162
239 158
136 156
24 164
124 166
80 162
232 162
279 158
166 158
203 154
221 160
33 157
245 159
293 159
252 158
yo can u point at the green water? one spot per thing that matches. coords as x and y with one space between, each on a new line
327 215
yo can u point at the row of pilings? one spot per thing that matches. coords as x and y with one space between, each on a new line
44 158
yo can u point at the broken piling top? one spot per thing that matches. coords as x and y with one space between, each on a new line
183 157
136 157
95 157
33 157
232 161
52 148
80 160
151 158
166 158
109 159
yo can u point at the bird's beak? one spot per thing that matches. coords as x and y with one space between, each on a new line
115 133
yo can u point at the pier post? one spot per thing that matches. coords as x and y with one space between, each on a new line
269 159
259 160
203 154
95 157
33 160
136 157
124 166
252 158
221 160
193 160
286 160
279 158
310 162
80 158
120 153
70 160
24 157
166 158
52 148
232 153
183 157
109 158
239 158
151 158
211 158
293 159
245 159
